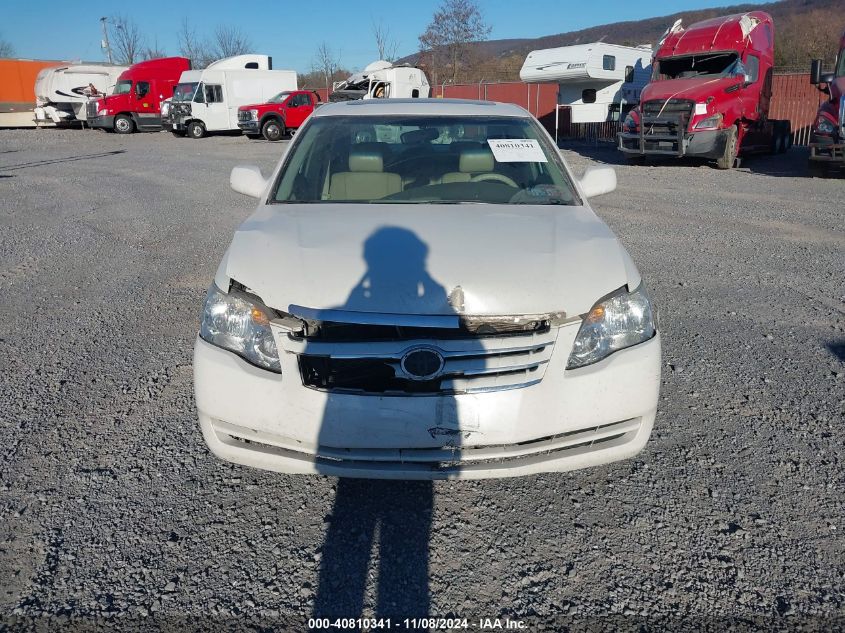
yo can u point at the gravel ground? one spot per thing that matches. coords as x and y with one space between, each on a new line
114 514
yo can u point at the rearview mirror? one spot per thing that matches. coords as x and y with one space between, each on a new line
597 181
247 179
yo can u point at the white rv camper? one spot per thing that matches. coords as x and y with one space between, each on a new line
208 100
383 80
598 80
62 93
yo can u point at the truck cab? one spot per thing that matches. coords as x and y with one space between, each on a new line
827 146
383 80
709 94
135 103
282 114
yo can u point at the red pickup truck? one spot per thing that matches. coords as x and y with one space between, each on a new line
281 115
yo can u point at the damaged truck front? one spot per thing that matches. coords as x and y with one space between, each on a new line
827 147
383 80
710 94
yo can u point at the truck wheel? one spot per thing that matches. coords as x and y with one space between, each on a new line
123 124
196 129
273 130
728 158
787 137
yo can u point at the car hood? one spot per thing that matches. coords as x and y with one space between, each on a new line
408 259
256 106
696 89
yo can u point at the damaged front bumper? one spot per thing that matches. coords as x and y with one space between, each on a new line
703 144
568 419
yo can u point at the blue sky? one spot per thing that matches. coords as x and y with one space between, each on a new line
292 32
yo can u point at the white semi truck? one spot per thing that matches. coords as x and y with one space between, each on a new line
383 80
596 81
208 100
62 93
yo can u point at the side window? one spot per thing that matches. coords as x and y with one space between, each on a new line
213 94
752 67
589 95
199 94
608 62
629 74
141 89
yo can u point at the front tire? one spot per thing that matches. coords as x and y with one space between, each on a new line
728 158
196 129
273 130
123 124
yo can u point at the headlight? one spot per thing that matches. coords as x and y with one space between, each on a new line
103 112
825 125
240 325
253 114
622 320
710 123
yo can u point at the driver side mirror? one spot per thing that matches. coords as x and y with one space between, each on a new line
247 179
598 181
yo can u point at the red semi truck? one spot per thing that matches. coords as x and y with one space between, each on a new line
135 104
827 147
709 94
282 114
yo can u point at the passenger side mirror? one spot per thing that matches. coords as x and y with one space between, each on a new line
597 181
247 179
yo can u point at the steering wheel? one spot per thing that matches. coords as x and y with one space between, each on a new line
495 177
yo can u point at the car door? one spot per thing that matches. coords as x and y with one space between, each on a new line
297 110
147 105
212 110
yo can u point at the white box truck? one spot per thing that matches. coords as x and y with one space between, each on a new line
207 100
597 81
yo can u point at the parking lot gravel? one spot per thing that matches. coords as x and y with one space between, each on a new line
113 513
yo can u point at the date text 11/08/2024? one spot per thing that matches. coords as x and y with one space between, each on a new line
413 624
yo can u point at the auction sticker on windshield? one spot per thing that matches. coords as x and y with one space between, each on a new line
517 150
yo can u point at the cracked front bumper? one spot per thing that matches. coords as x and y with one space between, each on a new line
570 419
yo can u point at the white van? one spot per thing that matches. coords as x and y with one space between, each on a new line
383 80
597 81
208 100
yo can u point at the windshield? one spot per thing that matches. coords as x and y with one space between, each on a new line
122 87
704 65
414 160
279 97
184 92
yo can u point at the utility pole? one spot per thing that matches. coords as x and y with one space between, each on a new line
106 39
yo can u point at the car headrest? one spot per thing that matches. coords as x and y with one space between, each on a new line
476 161
366 161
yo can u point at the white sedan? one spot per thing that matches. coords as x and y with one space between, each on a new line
425 293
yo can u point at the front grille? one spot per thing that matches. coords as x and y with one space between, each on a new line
470 364
673 108
91 109
244 115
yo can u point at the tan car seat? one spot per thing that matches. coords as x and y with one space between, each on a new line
471 162
366 178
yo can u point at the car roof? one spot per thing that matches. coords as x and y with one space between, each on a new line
432 107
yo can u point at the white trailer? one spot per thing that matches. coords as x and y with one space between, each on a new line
383 80
208 100
62 93
597 81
